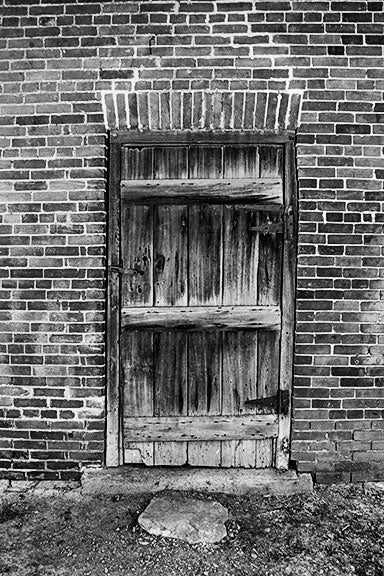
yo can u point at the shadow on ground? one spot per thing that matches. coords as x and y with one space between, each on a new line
335 531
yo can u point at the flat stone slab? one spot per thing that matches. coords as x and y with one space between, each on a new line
186 519
140 480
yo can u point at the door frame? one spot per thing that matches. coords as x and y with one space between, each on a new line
114 428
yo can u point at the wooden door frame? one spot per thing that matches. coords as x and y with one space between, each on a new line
114 428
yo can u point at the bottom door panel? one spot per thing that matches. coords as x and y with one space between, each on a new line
185 398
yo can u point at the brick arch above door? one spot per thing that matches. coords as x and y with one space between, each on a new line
201 110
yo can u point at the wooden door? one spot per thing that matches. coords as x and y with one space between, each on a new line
204 244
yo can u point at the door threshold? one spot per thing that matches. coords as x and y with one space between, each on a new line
139 479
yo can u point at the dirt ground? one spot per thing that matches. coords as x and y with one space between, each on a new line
336 531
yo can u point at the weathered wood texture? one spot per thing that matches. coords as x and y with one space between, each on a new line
201 294
113 431
201 318
203 428
262 191
288 299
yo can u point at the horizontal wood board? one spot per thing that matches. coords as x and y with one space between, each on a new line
200 428
201 318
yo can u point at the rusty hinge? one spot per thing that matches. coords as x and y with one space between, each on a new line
278 403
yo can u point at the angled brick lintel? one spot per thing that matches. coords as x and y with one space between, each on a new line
202 110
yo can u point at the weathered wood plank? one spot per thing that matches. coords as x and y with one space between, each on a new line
137 242
171 395
204 391
190 428
205 254
170 163
271 161
170 289
170 256
136 163
238 385
240 256
137 374
288 307
201 318
265 453
269 293
113 431
241 162
261 191
205 272
189 137
205 163
240 288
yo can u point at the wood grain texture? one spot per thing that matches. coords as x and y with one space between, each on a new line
199 138
137 242
166 191
238 384
201 318
205 254
170 256
137 373
204 391
171 163
113 408
269 293
217 257
205 163
240 256
205 273
240 288
241 162
288 306
137 163
200 428
171 395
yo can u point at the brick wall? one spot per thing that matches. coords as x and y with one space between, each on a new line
56 61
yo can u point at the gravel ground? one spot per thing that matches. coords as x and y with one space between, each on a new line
336 531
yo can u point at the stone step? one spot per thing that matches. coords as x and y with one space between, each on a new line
138 479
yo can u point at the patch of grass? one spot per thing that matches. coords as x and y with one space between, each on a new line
12 511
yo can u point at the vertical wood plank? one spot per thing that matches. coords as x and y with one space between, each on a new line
137 242
137 370
205 271
204 361
205 254
170 289
269 293
170 256
137 290
170 163
241 162
288 303
113 431
271 161
206 162
171 397
265 453
240 256
137 163
240 288
238 385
